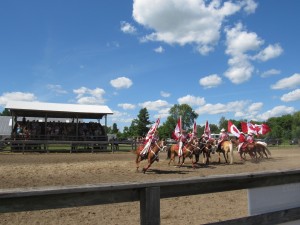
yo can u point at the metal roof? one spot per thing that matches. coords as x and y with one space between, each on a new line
55 110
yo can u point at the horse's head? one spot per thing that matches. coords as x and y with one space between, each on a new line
162 145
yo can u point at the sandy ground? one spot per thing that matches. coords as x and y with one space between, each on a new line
57 169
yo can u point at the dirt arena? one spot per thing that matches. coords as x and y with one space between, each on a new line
57 169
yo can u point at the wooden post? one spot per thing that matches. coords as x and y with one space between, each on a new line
150 206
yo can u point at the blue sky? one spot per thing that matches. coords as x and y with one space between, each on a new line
237 59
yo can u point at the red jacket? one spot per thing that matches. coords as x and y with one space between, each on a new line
242 138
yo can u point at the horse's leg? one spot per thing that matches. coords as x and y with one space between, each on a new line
219 153
241 155
150 161
137 161
203 159
225 157
207 158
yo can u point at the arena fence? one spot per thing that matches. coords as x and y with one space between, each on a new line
71 146
149 195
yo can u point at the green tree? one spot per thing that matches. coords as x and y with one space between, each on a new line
223 123
296 125
115 129
140 126
5 112
166 129
188 115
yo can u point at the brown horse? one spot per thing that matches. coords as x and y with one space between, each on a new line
262 149
151 156
187 151
249 148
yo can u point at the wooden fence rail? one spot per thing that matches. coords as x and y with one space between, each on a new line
149 194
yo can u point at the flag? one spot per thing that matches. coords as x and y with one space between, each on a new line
233 129
244 127
177 131
207 130
152 129
194 133
249 128
263 129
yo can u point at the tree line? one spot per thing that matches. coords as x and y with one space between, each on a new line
284 127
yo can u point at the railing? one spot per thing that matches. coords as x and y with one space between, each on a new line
149 195
68 145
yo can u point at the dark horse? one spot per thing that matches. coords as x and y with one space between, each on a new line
187 151
205 147
151 156
249 148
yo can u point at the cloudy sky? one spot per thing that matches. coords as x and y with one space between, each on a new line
237 59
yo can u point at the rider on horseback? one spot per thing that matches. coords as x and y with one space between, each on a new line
181 141
250 138
242 139
150 140
223 137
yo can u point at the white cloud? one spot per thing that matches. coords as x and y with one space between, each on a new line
163 113
126 106
165 94
291 96
127 28
16 96
191 100
121 82
159 49
182 22
276 112
288 82
219 108
271 72
249 6
89 96
121 117
154 105
210 81
272 51
240 43
56 88
255 107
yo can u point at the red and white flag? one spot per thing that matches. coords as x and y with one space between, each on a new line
263 129
207 132
249 128
177 131
233 129
152 129
194 133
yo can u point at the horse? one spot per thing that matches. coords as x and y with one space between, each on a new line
205 147
187 151
262 149
151 156
249 148
225 148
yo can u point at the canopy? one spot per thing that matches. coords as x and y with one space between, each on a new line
57 110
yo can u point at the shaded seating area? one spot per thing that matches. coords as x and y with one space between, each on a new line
40 126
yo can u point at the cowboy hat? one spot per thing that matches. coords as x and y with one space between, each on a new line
222 130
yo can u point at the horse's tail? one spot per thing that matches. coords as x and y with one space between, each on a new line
231 152
268 151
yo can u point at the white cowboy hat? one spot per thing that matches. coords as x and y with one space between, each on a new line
222 130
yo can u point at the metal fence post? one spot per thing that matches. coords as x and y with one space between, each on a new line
150 206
